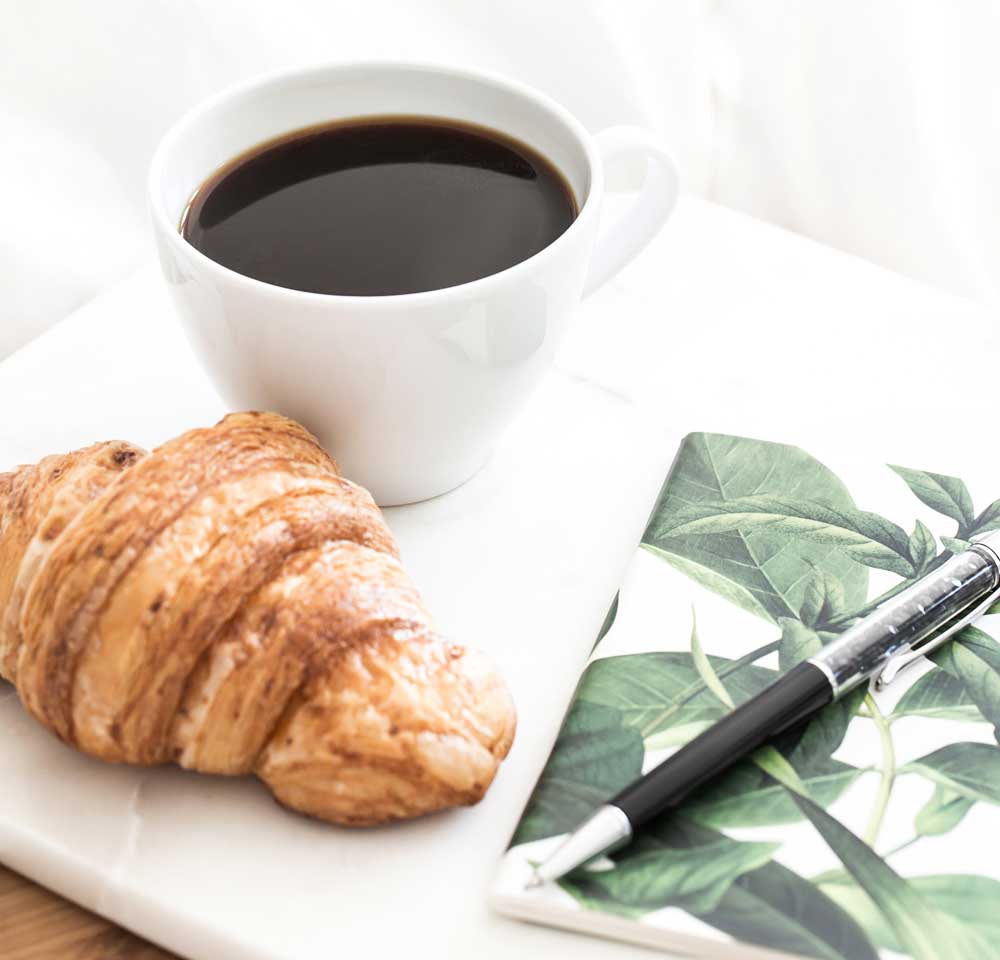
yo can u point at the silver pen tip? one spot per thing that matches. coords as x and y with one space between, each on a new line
605 830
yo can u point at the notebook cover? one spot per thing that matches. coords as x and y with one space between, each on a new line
871 831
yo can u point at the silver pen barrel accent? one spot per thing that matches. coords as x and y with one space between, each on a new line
914 621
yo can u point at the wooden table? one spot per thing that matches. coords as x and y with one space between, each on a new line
38 925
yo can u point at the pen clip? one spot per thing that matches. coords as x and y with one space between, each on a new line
896 664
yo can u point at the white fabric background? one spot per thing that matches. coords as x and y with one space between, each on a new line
867 125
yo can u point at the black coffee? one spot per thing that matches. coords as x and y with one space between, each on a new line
380 206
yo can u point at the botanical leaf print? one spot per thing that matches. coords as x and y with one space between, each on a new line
947 495
656 691
774 907
865 537
595 755
971 770
937 694
974 660
772 532
925 932
824 599
770 568
943 812
922 548
963 898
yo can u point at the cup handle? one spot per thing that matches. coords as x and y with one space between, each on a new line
622 241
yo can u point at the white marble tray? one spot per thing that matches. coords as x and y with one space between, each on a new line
724 324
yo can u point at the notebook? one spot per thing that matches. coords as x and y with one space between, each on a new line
871 832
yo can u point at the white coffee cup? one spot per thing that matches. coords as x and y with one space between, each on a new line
409 392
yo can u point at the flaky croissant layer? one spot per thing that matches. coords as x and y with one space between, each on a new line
231 603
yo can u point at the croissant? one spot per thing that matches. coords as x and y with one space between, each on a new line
230 603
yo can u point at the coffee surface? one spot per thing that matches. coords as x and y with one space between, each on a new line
380 206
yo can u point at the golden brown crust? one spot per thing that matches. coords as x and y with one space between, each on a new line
39 501
232 603
112 532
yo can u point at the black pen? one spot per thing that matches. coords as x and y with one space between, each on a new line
898 632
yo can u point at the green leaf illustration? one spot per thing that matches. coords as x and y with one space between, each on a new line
764 572
937 694
942 813
609 621
973 658
747 796
866 537
963 899
669 863
920 928
775 764
824 599
774 907
704 667
750 793
826 730
657 691
922 547
947 495
772 531
840 887
595 755
768 905
988 520
968 898
954 544
727 588
971 770
696 879
798 643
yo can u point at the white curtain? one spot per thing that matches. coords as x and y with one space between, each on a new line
870 126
